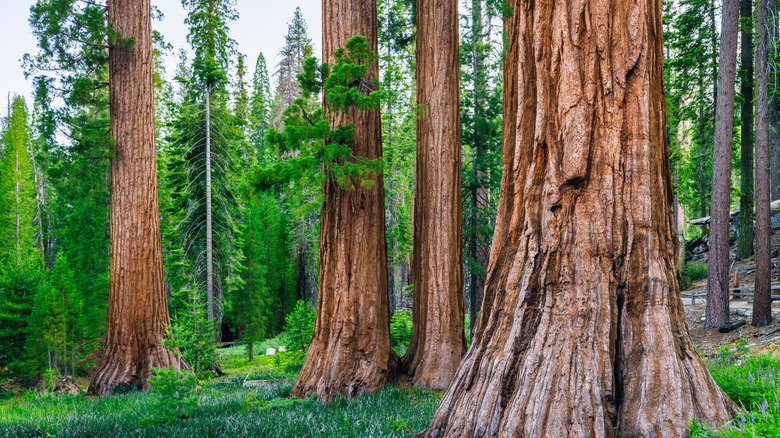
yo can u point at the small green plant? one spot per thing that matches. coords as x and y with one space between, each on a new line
690 273
299 326
401 330
398 425
174 394
49 378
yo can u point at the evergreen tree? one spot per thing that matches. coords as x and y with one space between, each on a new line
399 127
297 47
690 70
20 259
72 39
481 119
207 145
17 192
260 107
55 323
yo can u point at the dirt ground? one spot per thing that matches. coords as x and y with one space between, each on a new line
708 342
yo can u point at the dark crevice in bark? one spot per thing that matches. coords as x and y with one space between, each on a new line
617 397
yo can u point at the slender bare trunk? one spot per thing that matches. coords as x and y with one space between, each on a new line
762 303
209 221
583 332
717 314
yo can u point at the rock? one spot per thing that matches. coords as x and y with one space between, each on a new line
66 386
740 312
270 352
282 349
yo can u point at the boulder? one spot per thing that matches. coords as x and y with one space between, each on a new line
282 349
66 386
270 352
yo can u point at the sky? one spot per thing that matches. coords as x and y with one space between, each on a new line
260 28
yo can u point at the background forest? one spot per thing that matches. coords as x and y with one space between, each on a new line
240 196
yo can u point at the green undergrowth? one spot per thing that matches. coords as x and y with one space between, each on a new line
221 407
753 382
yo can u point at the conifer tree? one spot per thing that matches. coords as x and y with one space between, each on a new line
260 107
207 141
17 192
297 47
20 259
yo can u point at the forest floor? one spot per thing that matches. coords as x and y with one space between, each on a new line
743 273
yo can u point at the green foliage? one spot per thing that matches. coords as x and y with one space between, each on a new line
17 193
320 146
202 109
72 176
752 382
192 334
268 294
299 326
173 394
692 272
401 330
210 39
56 330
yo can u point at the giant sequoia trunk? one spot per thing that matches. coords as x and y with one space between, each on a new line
137 310
717 314
582 331
350 353
438 341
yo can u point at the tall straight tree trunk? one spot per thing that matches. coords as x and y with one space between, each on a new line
438 341
717 314
745 241
209 222
350 353
137 310
582 332
762 303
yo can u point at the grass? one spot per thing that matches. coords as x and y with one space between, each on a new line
753 382
225 408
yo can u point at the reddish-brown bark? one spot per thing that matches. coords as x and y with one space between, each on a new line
717 314
762 303
438 342
350 353
137 311
582 331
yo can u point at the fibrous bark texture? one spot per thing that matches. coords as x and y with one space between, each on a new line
746 231
717 314
350 353
582 332
137 310
762 303
438 343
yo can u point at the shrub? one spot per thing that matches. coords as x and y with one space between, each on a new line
299 326
692 272
174 394
401 330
